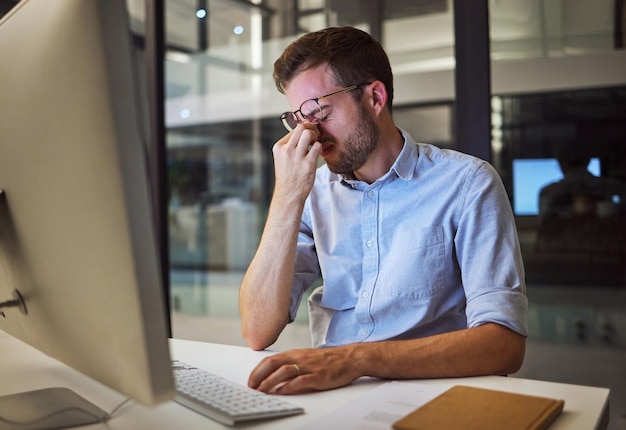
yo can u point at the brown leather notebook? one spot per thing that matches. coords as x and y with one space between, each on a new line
469 408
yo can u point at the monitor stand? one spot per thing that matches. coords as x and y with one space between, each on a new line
48 408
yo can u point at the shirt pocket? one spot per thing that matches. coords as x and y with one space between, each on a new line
417 266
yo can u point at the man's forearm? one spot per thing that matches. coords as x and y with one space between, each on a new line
485 350
490 349
265 292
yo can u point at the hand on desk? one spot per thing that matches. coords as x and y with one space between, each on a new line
304 370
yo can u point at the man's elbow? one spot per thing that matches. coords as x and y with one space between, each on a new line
252 339
513 354
259 337
255 345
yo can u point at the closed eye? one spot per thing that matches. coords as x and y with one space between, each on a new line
327 112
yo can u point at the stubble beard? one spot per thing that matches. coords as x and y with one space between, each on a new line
357 145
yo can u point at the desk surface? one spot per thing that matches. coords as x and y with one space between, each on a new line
23 368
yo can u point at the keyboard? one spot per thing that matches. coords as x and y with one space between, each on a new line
225 401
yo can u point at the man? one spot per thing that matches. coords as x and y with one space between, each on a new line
416 246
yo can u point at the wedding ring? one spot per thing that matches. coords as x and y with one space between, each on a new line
295 366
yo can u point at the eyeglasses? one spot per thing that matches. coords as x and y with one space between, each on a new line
310 110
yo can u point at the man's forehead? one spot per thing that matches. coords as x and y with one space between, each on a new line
310 83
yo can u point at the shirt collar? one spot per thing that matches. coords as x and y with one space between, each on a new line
403 167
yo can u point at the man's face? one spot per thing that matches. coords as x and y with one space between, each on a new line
359 142
348 132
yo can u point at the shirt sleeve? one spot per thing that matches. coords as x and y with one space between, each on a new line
306 270
489 254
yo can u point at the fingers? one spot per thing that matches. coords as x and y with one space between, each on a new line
276 381
273 374
301 139
303 370
314 150
295 159
307 138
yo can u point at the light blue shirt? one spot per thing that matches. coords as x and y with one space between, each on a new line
428 248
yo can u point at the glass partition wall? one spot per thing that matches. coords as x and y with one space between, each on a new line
559 143
559 138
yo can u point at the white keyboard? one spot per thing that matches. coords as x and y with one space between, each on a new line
225 401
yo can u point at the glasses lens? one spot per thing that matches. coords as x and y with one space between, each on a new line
311 111
289 120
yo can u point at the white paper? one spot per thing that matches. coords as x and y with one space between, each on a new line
379 408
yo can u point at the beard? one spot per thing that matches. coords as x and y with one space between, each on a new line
357 145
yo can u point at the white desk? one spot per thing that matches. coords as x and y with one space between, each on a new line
23 368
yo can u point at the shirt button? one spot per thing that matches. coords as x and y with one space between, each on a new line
370 243
370 193
363 332
365 294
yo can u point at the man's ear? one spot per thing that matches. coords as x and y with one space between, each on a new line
378 96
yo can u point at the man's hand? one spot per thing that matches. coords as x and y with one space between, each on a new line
304 370
295 160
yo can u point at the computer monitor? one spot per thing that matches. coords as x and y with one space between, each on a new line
77 240
530 175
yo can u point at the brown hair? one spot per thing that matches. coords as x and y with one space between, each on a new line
354 57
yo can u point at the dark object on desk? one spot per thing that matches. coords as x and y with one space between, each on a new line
472 408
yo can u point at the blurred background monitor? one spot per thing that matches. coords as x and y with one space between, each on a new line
530 175
77 241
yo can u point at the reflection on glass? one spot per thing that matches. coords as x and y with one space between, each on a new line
567 174
525 29
530 175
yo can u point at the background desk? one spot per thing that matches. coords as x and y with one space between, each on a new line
23 368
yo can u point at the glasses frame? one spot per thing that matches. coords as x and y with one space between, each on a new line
300 117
